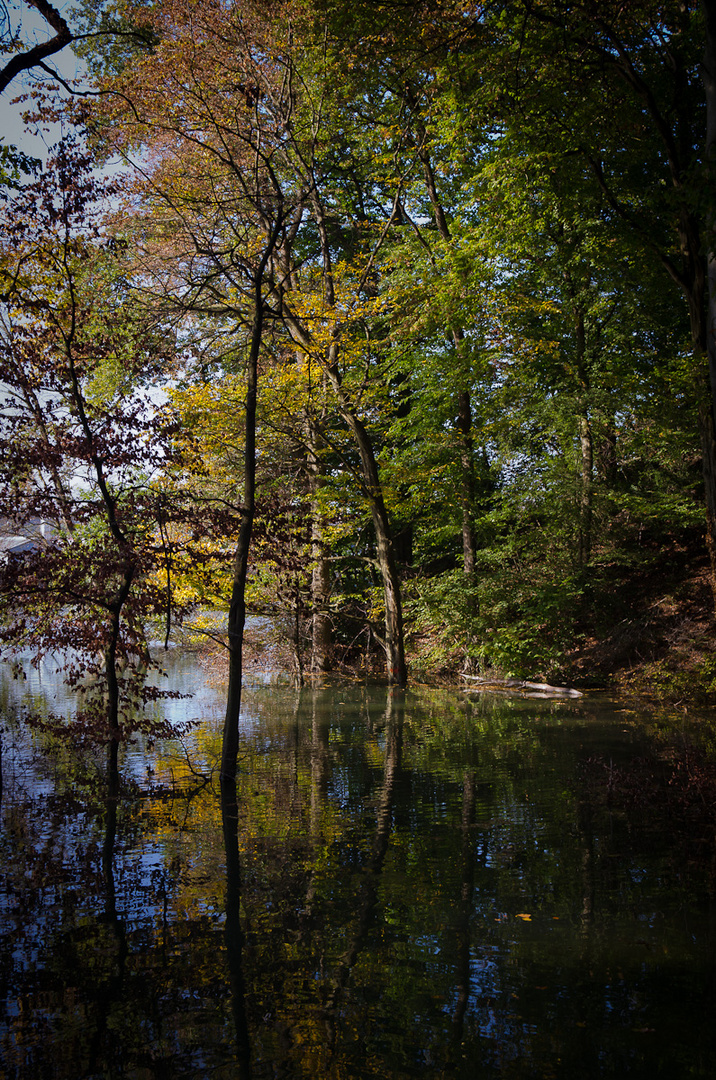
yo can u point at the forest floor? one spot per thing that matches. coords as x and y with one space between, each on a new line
655 635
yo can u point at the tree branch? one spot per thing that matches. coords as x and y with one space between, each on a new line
34 57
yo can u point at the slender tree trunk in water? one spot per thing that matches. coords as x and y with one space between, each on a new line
321 631
237 607
110 667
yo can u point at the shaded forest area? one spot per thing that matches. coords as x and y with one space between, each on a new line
392 322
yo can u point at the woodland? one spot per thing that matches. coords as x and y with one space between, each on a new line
391 323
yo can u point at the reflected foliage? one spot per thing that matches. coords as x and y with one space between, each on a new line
401 884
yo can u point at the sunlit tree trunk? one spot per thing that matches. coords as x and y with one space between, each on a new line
396 666
394 631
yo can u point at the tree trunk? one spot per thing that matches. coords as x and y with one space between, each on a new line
321 630
237 608
296 628
394 634
395 646
469 543
586 493
110 668
708 407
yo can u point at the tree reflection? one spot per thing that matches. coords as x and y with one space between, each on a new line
366 900
394 889
234 934
465 904
112 990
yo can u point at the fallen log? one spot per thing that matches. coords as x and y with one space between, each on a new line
522 684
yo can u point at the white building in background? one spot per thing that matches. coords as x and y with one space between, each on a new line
35 534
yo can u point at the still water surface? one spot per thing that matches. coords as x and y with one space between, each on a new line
429 885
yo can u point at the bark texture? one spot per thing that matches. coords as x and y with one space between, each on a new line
237 607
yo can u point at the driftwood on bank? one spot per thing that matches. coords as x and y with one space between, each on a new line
533 689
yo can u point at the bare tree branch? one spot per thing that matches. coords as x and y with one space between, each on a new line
33 57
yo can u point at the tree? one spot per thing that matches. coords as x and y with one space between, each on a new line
83 446
624 89
28 58
235 133
97 26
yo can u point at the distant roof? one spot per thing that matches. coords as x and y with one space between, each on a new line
17 544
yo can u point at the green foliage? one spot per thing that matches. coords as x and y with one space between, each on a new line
479 264
14 164
517 619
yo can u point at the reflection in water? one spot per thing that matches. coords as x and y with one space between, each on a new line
234 934
400 884
366 896
464 905
110 993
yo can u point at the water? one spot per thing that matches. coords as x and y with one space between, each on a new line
428 885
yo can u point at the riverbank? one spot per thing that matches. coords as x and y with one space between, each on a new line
645 631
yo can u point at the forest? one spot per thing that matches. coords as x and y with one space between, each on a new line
391 324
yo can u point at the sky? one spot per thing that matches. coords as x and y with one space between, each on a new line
33 29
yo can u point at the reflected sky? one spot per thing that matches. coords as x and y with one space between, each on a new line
417 884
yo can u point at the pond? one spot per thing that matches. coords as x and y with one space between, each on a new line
428 884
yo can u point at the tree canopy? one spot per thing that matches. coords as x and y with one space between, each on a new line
439 274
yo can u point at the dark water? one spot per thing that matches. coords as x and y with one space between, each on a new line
427 885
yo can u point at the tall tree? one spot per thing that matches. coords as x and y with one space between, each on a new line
622 86
81 443
233 132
